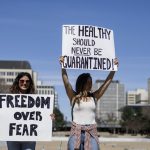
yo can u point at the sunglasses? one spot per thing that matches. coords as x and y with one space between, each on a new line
24 81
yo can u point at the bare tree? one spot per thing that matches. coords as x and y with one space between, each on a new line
112 121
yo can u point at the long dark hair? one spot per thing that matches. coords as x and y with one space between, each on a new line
15 86
80 85
81 81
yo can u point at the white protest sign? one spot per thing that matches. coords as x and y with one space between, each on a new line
88 47
26 117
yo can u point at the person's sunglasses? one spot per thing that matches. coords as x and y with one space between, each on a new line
22 81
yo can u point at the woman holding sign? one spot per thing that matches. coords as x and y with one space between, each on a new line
23 84
83 134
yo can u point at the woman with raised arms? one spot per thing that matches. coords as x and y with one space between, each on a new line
83 135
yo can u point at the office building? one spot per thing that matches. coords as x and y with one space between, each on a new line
47 89
139 96
111 102
131 97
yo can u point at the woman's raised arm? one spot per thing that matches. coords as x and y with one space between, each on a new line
98 93
68 87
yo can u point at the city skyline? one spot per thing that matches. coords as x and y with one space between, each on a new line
32 31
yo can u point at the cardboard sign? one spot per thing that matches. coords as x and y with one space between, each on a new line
26 117
88 47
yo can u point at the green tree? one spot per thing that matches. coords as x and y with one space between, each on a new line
127 113
127 118
59 121
146 118
132 118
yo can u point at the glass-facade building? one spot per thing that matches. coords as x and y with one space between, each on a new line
109 105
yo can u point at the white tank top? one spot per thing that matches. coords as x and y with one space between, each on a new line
84 112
